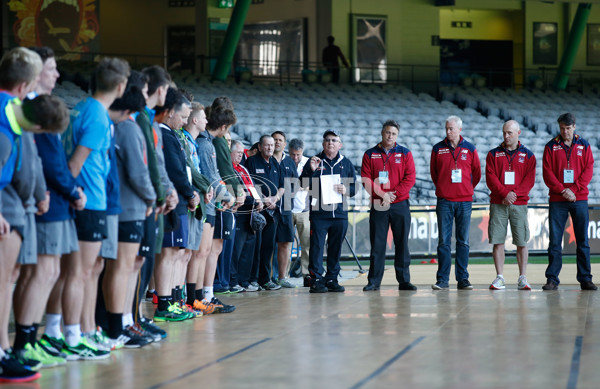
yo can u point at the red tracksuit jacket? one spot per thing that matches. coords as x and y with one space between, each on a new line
400 168
558 157
444 159
521 162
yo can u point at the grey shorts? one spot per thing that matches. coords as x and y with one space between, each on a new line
500 215
111 243
28 253
57 238
195 233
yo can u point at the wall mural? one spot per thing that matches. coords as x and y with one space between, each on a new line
67 26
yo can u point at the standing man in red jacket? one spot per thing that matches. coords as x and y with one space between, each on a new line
388 173
510 175
568 169
455 171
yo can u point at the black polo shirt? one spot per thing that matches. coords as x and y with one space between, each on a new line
268 176
289 171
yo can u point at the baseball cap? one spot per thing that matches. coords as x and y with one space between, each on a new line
331 132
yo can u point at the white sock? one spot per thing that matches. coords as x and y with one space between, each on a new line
53 325
72 334
501 276
208 292
128 320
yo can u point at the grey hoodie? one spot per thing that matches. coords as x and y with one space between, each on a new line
25 183
137 192
208 166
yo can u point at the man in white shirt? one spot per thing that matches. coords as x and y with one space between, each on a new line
300 210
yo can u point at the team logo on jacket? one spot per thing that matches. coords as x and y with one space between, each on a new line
580 152
500 154
398 158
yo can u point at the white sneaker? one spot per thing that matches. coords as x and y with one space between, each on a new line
498 284
523 284
285 282
251 288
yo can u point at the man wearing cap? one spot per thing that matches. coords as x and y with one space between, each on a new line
331 181
568 168
455 171
388 174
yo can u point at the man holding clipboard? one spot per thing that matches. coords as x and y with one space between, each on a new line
331 180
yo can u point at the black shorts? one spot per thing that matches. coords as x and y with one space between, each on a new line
147 245
131 232
91 225
224 225
210 219
285 229
178 237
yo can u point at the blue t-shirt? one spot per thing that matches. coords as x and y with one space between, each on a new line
91 127
11 129
193 149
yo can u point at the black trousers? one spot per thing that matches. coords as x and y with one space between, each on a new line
398 218
335 231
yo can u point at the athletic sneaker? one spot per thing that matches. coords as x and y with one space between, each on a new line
221 291
27 361
270 286
86 351
498 283
138 329
221 307
464 285
135 339
46 356
205 306
30 352
149 326
439 286
13 372
196 312
51 343
285 283
522 284
112 343
51 350
173 313
251 288
236 289
188 311
101 341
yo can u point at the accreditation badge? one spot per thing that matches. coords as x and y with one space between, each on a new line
509 178
568 176
456 176
383 177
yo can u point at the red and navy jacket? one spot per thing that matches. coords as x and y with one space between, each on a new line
521 161
400 168
558 157
444 159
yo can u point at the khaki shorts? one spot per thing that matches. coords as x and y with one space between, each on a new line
500 215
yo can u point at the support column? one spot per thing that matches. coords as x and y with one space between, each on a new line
232 37
568 57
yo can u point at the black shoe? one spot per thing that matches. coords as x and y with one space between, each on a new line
465 285
551 285
407 286
588 285
149 326
307 281
318 286
370 288
333 286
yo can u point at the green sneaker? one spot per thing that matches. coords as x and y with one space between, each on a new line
51 349
26 358
173 313
47 359
185 310
86 351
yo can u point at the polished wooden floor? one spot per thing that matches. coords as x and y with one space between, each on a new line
386 339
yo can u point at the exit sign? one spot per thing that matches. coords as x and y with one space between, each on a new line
224 3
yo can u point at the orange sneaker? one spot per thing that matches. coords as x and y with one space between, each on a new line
196 312
204 305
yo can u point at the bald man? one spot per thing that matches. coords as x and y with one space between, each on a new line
510 175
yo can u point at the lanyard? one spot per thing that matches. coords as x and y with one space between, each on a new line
388 155
455 158
568 152
509 157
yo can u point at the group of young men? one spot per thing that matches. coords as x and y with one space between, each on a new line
139 187
388 173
